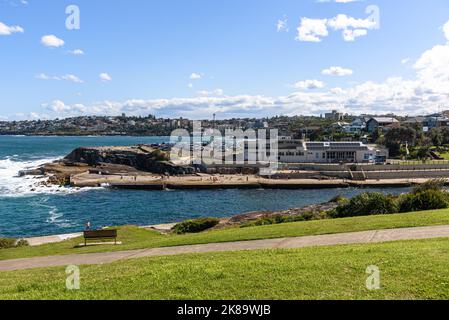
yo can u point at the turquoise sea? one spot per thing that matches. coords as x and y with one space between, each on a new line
27 210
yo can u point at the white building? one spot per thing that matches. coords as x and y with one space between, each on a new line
299 151
356 127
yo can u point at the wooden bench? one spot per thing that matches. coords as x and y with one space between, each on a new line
100 235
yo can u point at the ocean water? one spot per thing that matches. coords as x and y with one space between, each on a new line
27 210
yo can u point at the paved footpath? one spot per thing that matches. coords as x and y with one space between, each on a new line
282 243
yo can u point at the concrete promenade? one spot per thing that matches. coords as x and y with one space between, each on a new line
152 182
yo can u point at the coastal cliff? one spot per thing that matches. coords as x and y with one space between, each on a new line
142 158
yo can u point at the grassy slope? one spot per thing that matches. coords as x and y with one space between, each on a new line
409 270
134 238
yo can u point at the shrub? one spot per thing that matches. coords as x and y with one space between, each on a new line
434 184
7 243
339 199
429 199
195 226
22 243
366 204
278 219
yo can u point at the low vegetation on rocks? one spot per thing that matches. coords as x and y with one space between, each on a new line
195 226
366 204
428 196
7 243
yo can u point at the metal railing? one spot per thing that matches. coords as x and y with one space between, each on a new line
418 162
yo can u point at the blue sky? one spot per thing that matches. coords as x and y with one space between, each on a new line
248 56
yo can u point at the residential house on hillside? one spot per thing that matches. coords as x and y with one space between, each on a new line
356 127
435 121
383 123
339 126
414 121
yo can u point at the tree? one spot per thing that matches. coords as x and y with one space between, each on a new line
436 136
396 137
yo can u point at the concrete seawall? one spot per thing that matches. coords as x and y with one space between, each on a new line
363 172
274 184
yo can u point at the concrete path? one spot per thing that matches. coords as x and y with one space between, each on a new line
284 243
38 241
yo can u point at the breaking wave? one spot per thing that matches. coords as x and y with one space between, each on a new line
11 185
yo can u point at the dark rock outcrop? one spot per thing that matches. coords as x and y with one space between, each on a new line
142 159
314 211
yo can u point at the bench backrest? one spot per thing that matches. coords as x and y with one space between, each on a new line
96 234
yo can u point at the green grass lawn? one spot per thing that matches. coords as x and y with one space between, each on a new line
444 155
409 270
135 238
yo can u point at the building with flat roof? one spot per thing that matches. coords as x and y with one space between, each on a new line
299 151
334 115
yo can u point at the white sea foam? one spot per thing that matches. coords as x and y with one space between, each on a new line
54 215
11 185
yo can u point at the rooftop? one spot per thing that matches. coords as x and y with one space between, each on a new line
384 119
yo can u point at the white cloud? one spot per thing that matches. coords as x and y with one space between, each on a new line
76 52
196 76
60 107
71 77
57 106
337 90
16 3
42 76
67 77
405 61
282 25
311 30
337 71
343 22
446 30
6 30
216 93
105 77
308 85
351 35
52 41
